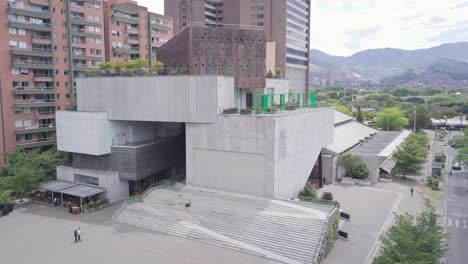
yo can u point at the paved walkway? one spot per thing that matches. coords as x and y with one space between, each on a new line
41 234
372 210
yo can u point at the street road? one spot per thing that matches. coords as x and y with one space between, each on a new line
457 213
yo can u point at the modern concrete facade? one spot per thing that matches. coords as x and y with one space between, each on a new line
146 126
264 155
286 27
236 51
132 32
49 43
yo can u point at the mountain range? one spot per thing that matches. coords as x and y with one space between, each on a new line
444 66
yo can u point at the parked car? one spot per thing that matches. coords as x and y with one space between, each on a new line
456 165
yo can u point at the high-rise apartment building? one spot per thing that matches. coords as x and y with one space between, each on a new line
46 44
285 23
132 32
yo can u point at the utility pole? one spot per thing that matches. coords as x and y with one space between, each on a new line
414 121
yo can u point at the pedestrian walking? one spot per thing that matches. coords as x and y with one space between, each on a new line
450 172
79 234
76 235
412 191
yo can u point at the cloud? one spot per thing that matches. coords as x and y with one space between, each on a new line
354 38
343 27
461 5
455 34
437 20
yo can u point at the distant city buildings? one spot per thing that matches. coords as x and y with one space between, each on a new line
46 44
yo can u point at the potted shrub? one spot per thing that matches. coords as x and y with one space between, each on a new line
359 171
327 196
246 111
6 202
231 111
269 74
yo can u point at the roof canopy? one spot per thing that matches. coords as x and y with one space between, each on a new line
72 188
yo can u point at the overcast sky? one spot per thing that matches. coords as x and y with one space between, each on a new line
343 27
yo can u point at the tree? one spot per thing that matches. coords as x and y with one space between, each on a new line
348 161
414 240
443 114
309 191
411 155
5 198
423 117
157 65
26 169
359 115
360 171
106 65
24 182
391 119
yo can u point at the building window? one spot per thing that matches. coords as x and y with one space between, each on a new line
13 44
12 31
21 32
86 179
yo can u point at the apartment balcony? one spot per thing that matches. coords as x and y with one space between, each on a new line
83 56
35 129
160 26
132 30
31 26
43 78
37 52
37 39
77 20
28 11
36 90
39 2
35 103
133 40
35 143
44 65
82 33
124 50
126 19
79 66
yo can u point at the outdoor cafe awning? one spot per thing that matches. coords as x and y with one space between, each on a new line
72 188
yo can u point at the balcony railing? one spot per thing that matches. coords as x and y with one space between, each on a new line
40 2
41 37
33 62
80 65
34 143
45 25
35 128
43 75
35 101
28 8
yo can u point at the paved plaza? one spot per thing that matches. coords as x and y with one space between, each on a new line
41 234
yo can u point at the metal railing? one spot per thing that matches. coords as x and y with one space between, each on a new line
26 7
268 110
41 37
36 101
29 22
34 141
33 62
137 72
42 75
226 26
36 127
